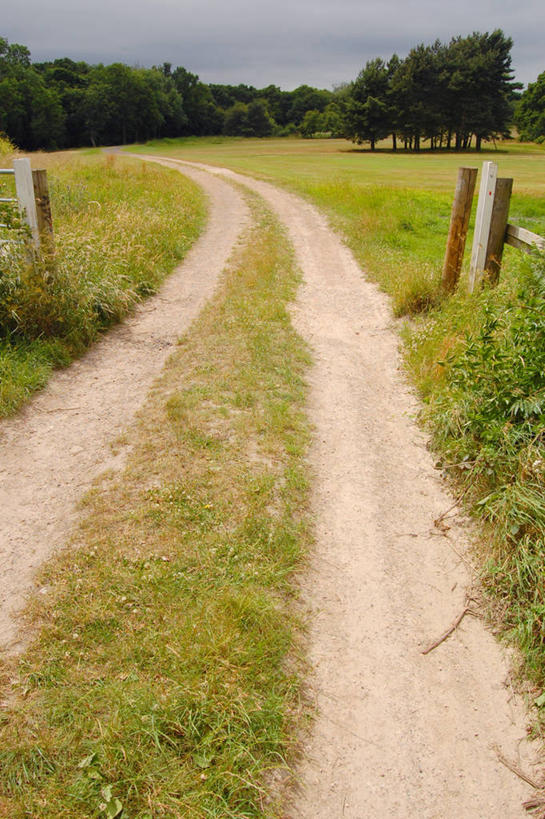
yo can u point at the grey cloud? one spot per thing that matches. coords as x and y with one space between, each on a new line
282 42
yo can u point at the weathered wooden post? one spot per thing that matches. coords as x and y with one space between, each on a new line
25 194
43 206
482 223
459 222
498 227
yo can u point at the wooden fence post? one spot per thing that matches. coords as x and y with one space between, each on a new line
459 221
498 227
482 223
25 194
43 205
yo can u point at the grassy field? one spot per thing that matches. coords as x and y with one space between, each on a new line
120 229
393 209
477 361
165 680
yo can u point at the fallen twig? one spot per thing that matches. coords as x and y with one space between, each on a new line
449 631
439 520
534 802
62 409
520 773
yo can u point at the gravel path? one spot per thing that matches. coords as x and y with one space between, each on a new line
397 733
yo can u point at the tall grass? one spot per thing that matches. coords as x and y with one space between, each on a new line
120 227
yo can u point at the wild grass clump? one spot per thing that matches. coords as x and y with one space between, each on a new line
165 680
8 151
119 230
486 411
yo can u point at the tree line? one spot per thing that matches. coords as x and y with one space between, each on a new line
63 103
452 95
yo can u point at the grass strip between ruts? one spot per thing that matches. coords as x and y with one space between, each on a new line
164 680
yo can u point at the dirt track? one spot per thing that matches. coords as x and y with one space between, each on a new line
51 452
398 734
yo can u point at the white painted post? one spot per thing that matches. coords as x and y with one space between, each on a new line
25 194
482 223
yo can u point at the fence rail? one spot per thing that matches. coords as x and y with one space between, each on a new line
11 172
523 239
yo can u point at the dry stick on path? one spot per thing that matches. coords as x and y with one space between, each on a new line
534 803
520 773
451 628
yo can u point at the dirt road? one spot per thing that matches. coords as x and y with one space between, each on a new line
397 733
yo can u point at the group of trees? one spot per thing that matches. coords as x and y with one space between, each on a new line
450 94
444 93
64 104
530 112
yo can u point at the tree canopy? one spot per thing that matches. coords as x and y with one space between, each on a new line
530 114
448 94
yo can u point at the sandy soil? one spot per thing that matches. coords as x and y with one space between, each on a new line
52 450
397 733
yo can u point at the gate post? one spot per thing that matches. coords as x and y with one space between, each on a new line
482 223
25 194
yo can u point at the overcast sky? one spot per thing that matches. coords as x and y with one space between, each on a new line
258 42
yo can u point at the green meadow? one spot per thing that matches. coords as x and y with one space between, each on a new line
392 208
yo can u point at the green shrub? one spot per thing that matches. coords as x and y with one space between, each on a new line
488 422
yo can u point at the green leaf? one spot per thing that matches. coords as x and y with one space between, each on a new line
540 702
202 761
106 792
88 761
514 529
113 808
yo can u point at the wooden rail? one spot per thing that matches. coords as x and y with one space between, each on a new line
523 239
